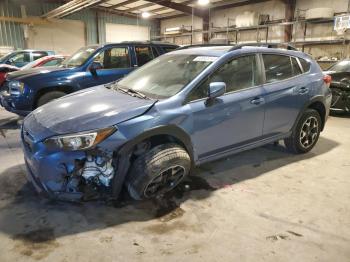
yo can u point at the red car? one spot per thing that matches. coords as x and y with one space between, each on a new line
51 60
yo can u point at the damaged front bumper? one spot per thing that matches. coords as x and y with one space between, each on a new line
69 175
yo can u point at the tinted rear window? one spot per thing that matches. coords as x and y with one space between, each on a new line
296 67
169 48
305 65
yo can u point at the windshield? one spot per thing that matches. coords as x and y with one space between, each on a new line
79 57
30 65
166 75
342 66
5 57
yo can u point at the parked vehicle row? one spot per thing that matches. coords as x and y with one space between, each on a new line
182 109
50 60
90 66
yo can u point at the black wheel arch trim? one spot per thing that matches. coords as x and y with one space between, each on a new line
123 155
315 99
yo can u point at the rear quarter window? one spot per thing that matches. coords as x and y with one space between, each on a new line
305 65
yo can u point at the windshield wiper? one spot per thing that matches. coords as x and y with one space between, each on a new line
129 91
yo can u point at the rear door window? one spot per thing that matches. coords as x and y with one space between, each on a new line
115 57
37 55
144 54
277 67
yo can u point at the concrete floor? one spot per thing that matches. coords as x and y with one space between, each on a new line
260 205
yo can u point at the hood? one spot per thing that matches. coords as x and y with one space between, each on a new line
6 66
39 71
90 109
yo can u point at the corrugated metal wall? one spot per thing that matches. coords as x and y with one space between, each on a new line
104 17
11 34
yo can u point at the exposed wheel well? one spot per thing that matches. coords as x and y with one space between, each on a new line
65 89
156 140
320 108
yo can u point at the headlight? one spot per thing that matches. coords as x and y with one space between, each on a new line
80 141
16 88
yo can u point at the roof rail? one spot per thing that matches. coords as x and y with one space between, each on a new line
267 45
199 45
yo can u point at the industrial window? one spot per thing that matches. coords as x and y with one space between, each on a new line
277 67
144 54
116 57
238 74
305 65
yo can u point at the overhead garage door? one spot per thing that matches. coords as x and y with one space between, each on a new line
118 33
62 36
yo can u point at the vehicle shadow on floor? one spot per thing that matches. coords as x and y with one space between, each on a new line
32 218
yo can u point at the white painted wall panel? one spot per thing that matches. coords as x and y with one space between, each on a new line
119 33
62 36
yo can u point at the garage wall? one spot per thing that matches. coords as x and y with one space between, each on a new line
12 34
276 11
118 33
62 36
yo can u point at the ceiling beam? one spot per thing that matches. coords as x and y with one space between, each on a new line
139 7
123 4
231 4
165 8
115 11
180 7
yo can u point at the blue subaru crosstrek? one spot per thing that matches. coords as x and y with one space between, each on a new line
182 109
26 90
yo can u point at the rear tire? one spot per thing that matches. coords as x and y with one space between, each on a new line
48 97
305 134
158 171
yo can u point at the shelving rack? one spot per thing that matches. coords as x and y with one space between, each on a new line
266 27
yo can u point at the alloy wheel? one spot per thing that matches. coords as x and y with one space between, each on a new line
165 181
309 132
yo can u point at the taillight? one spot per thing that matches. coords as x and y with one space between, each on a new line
327 79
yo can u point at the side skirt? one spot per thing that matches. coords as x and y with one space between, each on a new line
239 149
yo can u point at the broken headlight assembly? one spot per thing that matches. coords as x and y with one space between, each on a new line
16 88
80 141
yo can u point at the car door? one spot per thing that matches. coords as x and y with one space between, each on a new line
114 64
233 119
286 92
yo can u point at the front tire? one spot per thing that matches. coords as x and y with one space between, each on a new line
305 134
48 97
158 171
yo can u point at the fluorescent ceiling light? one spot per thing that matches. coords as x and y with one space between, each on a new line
145 14
203 2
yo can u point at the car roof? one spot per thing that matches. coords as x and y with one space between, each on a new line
137 42
207 50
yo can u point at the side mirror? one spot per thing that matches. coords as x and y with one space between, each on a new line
95 66
216 89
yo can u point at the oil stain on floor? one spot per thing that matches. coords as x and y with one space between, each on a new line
36 244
